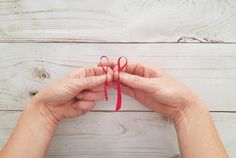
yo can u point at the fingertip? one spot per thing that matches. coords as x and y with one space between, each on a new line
115 74
123 75
112 64
115 68
110 75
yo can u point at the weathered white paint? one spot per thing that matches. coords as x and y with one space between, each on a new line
210 69
119 134
118 21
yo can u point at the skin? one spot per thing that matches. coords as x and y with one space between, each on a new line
76 94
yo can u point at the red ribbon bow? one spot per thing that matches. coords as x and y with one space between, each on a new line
120 68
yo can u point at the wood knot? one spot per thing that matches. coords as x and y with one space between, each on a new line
189 39
41 73
197 40
32 93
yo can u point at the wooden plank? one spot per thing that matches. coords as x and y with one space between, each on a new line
118 21
208 69
123 134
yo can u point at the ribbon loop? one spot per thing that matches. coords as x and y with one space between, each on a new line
120 68
105 71
103 65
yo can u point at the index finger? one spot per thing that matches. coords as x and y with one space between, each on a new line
138 68
89 72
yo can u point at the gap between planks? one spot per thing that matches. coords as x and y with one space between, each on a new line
26 41
110 111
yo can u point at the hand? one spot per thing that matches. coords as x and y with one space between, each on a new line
156 89
63 98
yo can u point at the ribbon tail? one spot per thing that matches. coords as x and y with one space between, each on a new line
119 99
105 91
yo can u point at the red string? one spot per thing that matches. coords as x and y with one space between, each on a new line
105 71
120 68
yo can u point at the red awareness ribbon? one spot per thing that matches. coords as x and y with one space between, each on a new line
120 68
105 72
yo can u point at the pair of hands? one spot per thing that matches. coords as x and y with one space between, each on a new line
77 93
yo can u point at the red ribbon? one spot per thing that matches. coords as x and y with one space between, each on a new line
120 68
105 72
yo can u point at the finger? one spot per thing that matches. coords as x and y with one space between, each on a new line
110 64
90 82
142 69
96 71
75 86
127 90
79 83
101 86
98 88
88 72
83 106
88 95
137 68
136 82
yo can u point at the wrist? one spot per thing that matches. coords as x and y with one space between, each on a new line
195 111
197 135
188 101
43 114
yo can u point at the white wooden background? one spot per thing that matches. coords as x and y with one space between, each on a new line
194 40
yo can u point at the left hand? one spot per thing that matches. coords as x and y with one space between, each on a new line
64 98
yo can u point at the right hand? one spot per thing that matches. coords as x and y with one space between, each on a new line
156 89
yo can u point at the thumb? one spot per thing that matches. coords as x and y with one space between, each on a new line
135 81
89 82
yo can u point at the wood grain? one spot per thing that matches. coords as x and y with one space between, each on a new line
118 21
208 69
36 47
125 134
